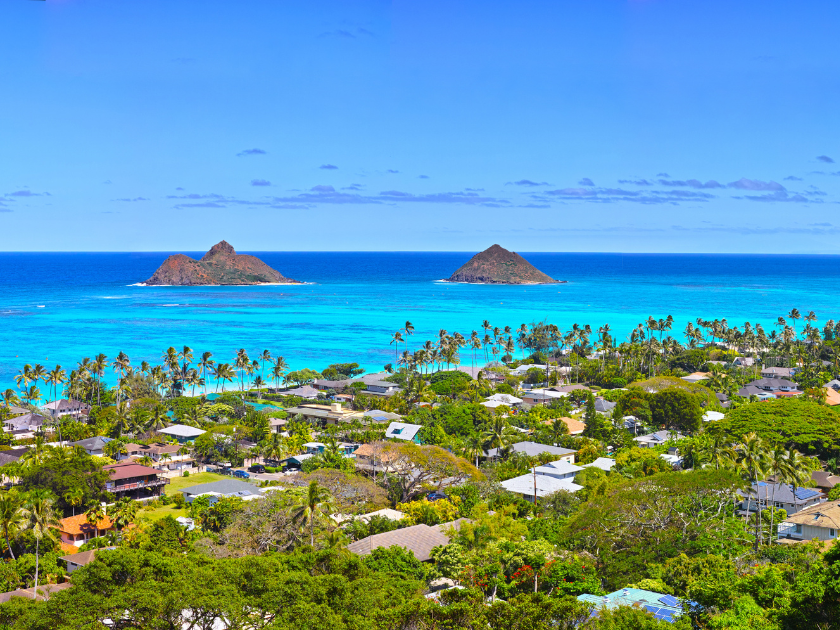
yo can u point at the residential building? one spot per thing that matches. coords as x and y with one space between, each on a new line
404 431
750 390
75 531
744 362
567 389
833 384
419 539
382 388
27 423
558 470
134 480
15 411
307 391
821 521
537 397
657 438
604 463
712 416
504 399
832 397
780 495
223 488
73 408
696 377
777 372
372 458
774 385
376 415
535 449
316 448
604 406
78 560
166 457
544 485
182 432
662 607
93 445
575 427
323 414
825 480
12 455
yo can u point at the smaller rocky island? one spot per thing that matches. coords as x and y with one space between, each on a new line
496 265
221 265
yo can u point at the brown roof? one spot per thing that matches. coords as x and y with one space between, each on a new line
825 479
78 525
575 426
126 471
368 450
819 515
420 539
832 397
570 388
44 592
82 558
157 449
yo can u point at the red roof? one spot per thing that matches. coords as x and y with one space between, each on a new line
127 471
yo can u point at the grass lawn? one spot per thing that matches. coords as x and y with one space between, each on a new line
161 512
179 483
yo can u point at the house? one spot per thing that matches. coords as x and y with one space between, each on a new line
11 410
832 397
13 455
773 385
419 539
223 488
662 607
567 389
712 416
372 458
537 398
825 480
780 495
375 415
750 390
75 531
696 377
404 431
544 485
323 414
324 384
77 560
27 423
777 372
632 423
575 427
819 521
535 449
73 408
504 399
295 462
833 384
307 391
182 432
673 457
92 445
45 591
316 448
604 406
657 438
558 470
744 362
382 388
134 480
604 463
166 457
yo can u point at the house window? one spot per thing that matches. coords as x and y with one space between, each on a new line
831 533
798 529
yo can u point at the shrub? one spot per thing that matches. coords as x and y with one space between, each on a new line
186 473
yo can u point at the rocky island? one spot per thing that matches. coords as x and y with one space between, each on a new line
221 265
496 265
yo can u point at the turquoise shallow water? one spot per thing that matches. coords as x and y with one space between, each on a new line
357 300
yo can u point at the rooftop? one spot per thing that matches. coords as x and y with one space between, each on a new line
223 487
533 449
78 525
419 539
128 471
182 430
524 484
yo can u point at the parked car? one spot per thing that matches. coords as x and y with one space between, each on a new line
241 474
434 496
256 468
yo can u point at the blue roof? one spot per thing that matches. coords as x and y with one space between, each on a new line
664 607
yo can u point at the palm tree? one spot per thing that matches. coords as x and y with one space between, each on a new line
396 339
158 419
753 460
242 364
11 519
124 512
264 356
74 497
94 514
41 516
474 447
409 329
278 370
56 377
24 377
314 505
205 364
225 373
100 362
9 397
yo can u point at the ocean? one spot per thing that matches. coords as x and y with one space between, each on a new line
56 308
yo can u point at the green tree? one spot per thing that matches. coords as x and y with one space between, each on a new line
315 505
39 511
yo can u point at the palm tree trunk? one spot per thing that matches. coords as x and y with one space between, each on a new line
9 545
37 549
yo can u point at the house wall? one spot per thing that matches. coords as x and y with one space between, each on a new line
809 532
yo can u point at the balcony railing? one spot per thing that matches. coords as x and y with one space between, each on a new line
788 530
134 485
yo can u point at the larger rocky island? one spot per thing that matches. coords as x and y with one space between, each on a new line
221 265
496 265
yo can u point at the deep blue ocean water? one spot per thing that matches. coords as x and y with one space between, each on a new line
357 300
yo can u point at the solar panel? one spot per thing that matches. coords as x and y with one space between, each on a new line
669 600
805 493
665 615
652 609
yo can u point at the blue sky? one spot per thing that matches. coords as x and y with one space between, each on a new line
643 126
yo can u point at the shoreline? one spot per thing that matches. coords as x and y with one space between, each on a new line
255 284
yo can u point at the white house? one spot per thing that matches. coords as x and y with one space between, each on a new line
543 485
821 521
559 470
657 438
182 432
404 431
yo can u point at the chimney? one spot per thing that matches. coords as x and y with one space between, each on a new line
335 407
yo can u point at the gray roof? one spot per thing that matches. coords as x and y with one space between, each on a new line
224 486
751 390
12 455
659 437
419 539
534 449
382 416
782 492
402 430
307 391
95 443
773 383
603 405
